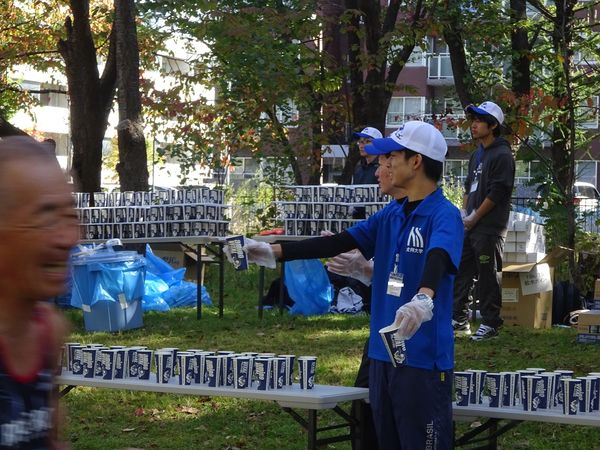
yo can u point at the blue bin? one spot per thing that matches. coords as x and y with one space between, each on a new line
109 286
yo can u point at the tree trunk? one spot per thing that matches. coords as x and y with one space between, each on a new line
133 164
463 79
90 96
521 62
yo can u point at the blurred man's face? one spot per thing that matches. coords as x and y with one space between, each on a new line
384 175
38 232
362 142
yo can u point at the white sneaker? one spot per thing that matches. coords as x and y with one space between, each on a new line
484 332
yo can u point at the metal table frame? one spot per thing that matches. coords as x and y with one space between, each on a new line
500 420
321 397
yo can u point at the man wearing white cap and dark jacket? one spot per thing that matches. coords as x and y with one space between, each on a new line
416 245
367 166
486 203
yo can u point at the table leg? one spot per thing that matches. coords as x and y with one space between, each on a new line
199 281
221 279
312 429
261 290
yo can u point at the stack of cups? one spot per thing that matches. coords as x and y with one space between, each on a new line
307 367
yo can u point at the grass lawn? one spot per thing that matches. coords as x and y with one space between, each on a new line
111 419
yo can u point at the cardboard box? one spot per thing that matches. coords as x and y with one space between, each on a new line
589 322
171 253
527 291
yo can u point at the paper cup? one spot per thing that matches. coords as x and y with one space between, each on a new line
529 392
289 369
477 385
394 345
262 368
308 367
212 370
144 363
462 387
131 364
589 388
69 354
279 373
188 367
493 388
242 372
76 359
572 395
227 369
108 359
546 390
88 362
235 246
510 388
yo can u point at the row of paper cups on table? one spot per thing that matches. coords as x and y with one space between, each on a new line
262 371
533 388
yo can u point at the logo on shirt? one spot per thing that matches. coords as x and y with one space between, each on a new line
415 241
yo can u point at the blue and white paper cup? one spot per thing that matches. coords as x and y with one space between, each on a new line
493 388
394 344
596 402
511 389
235 245
462 387
242 372
558 395
144 363
263 371
131 363
212 370
546 390
163 362
88 362
289 369
76 359
279 373
530 398
308 368
69 354
572 395
477 385
589 388
227 369
108 359
174 351
188 367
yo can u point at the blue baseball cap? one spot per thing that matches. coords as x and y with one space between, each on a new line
369 133
420 137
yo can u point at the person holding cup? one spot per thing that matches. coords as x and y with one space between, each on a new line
416 245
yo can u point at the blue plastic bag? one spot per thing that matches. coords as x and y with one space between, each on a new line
309 287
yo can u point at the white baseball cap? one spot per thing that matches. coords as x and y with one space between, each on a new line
420 137
487 109
369 133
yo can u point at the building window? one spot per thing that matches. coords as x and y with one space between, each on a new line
402 109
417 58
587 113
28 86
168 64
586 171
288 113
456 169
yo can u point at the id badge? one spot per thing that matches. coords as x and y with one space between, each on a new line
395 284
474 186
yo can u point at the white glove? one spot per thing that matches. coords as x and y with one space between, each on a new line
411 315
352 264
259 253
327 233
463 213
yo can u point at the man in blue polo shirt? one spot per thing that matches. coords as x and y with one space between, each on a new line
416 245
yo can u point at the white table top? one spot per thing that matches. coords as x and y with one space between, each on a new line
274 238
517 413
320 397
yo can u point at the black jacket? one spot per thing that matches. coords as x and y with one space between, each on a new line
491 175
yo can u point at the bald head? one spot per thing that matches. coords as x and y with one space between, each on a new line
20 149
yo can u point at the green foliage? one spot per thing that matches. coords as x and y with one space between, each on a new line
588 259
253 209
454 191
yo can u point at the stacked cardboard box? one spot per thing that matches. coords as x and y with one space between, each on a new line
588 327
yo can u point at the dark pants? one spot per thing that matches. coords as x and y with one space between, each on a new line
481 259
412 408
361 410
